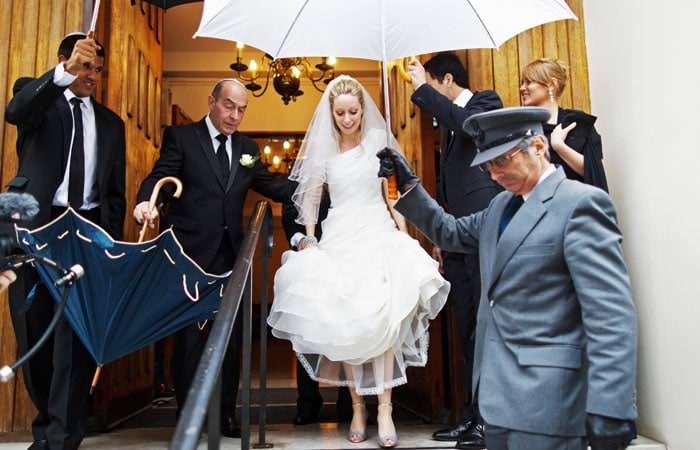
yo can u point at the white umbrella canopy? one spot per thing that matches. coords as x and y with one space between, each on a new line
381 30
373 29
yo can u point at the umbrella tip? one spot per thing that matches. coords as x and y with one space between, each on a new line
6 374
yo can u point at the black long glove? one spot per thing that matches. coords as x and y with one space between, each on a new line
392 162
607 433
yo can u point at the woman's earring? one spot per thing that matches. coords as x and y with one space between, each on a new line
551 95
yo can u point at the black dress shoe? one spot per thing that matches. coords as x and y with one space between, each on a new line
39 445
229 427
456 433
305 418
473 439
306 413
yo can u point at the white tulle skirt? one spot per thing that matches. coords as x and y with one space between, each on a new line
357 307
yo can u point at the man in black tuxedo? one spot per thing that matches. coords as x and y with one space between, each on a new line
310 401
71 153
217 165
441 90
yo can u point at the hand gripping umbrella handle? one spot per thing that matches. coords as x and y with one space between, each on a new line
154 198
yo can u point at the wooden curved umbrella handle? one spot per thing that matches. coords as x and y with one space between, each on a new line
154 198
402 70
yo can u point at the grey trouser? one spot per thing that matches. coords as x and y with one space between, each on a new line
498 438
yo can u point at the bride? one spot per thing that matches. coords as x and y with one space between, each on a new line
355 305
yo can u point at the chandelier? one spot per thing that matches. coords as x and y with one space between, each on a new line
286 74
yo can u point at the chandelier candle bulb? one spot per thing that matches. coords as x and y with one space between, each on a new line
253 68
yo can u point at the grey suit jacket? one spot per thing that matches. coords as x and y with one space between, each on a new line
556 329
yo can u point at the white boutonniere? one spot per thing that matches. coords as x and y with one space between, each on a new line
248 160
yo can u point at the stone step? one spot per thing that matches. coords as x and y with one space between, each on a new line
326 436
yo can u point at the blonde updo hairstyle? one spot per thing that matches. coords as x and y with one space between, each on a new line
547 72
345 86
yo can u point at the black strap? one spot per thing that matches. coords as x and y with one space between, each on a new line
507 138
76 172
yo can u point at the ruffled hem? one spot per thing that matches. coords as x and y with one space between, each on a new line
357 315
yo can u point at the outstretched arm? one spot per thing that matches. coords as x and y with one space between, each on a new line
447 113
444 230
32 97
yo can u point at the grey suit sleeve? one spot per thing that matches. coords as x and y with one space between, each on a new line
593 254
444 230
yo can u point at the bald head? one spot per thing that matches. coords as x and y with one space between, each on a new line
227 105
226 81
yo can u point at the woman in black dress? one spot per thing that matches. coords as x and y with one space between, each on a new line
575 143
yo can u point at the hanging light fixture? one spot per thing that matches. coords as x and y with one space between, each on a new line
286 74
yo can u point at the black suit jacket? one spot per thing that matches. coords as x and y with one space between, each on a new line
462 189
44 121
207 208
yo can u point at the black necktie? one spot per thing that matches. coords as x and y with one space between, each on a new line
76 172
223 156
511 208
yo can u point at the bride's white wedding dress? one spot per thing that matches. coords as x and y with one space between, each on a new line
356 308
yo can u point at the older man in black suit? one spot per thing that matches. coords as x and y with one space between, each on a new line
71 153
441 90
217 165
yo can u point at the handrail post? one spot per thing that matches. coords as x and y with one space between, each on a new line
206 384
214 417
266 252
247 357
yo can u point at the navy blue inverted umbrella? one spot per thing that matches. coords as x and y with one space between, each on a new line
132 294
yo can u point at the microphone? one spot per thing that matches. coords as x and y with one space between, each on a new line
16 207
72 275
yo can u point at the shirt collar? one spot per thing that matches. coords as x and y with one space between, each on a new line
463 98
69 95
213 132
548 171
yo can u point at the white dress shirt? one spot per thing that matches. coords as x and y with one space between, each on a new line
463 98
90 200
461 101
213 132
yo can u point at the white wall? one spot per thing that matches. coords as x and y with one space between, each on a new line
643 58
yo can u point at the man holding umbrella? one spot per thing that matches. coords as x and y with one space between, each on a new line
556 348
71 153
217 165
441 90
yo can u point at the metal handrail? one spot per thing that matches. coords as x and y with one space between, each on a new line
204 395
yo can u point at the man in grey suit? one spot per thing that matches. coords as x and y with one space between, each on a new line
556 330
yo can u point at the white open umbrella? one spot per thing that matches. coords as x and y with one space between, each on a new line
381 30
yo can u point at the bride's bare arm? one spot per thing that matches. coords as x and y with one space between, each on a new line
398 218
